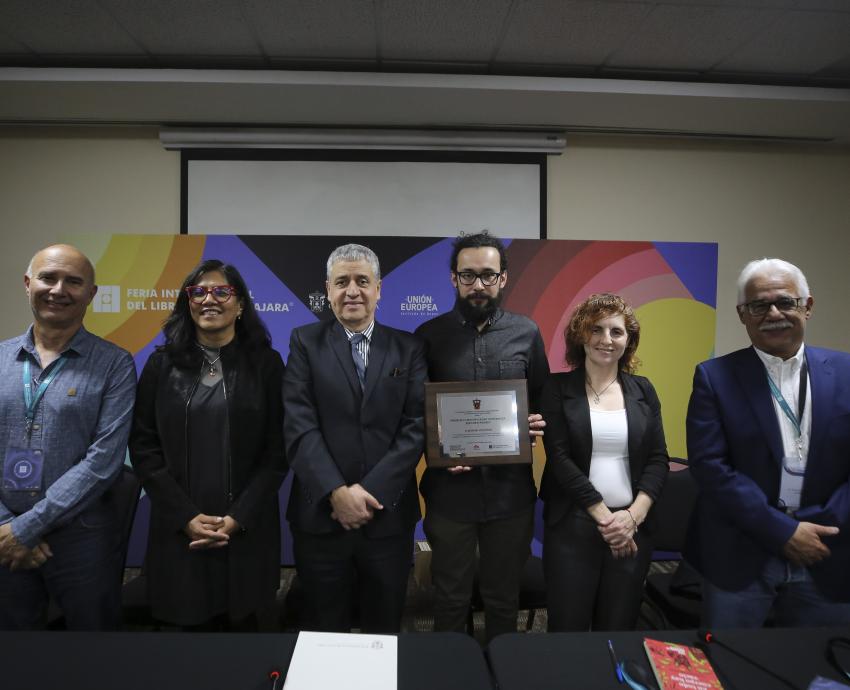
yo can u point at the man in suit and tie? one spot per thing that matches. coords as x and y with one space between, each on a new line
769 445
353 397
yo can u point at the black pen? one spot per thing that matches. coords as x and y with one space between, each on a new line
617 670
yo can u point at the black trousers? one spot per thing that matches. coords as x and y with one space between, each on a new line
503 547
337 570
586 587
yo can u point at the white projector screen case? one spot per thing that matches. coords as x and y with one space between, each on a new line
391 198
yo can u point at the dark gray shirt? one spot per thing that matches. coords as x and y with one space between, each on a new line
508 347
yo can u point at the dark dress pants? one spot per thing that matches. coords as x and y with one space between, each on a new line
586 587
335 570
82 576
502 546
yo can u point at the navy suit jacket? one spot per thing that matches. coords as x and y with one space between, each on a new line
336 434
569 443
735 452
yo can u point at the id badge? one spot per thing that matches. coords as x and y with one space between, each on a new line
791 484
22 469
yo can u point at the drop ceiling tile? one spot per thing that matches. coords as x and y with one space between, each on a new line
798 43
575 32
839 69
314 28
66 27
825 5
652 74
441 30
740 4
689 37
138 61
436 67
319 63
529 69
193 27
183 61
9 46
20 60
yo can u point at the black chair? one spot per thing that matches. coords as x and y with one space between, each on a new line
135 606
123 496
674 597
532 589
123 499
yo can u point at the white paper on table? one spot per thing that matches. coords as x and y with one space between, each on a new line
343 660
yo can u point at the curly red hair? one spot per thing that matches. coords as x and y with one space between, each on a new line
593 309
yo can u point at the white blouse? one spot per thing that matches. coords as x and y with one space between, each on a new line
609 461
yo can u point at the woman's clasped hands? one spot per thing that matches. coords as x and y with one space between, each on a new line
210 531
618 530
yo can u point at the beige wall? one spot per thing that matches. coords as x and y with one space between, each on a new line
754 200
60 181
786 200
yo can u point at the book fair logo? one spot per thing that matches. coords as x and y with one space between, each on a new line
107 300
163 299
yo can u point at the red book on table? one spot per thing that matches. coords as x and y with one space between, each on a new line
679 667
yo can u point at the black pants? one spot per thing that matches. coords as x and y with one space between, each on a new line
503 547
332 566
586 587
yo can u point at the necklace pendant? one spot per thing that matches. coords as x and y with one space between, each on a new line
212 371
595 399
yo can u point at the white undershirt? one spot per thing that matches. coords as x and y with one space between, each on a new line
609 461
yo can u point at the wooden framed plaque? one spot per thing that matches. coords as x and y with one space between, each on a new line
477 423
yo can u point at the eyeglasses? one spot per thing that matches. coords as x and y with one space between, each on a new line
220 293
487 278
760 307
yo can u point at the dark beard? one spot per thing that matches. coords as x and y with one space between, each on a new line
478 314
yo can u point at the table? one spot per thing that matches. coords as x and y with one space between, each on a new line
211 661
580 661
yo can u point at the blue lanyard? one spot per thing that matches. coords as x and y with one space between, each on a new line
783 404
30 400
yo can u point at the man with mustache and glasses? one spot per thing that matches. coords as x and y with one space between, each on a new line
769 445
488 508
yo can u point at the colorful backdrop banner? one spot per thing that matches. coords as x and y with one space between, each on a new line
671 285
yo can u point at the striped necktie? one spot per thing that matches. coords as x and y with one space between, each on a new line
359 364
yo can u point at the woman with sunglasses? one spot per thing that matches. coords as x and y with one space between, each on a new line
207 444
606 462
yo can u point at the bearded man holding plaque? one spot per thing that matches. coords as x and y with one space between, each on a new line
485 508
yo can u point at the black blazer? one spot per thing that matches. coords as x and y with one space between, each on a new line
336 434
569 443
